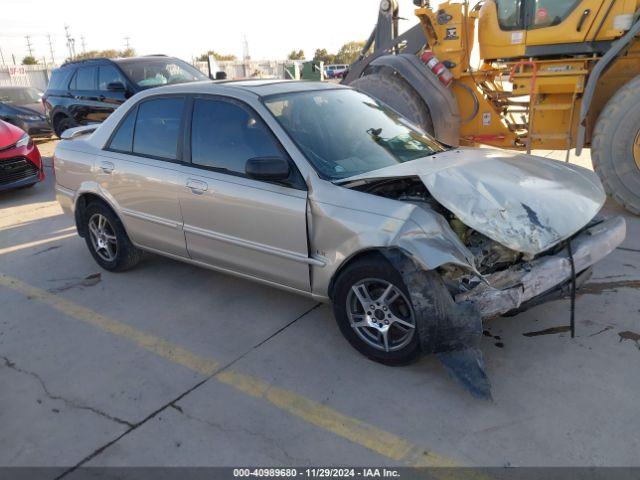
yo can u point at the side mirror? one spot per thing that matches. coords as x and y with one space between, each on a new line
267 168
116 87
221 75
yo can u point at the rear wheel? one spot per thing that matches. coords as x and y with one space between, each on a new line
391 89
107 239
616 146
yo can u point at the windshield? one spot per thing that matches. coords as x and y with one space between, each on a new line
345 133
19 96
153 72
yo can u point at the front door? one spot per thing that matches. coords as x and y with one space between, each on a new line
232 222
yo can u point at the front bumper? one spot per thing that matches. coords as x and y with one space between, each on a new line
510 289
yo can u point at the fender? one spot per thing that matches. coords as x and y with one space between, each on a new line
442 105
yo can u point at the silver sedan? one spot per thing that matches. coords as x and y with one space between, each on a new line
326 192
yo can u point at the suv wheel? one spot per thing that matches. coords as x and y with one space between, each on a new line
107 240
374 313
63 124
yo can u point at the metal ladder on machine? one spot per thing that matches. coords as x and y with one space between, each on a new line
535 107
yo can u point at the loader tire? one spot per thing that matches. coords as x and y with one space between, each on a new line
615 149
391 89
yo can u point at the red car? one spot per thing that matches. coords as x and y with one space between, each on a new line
20 161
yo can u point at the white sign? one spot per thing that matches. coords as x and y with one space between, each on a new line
17 72
486 119
517 38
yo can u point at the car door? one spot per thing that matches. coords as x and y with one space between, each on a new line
255 228
108 97
139 172
85 106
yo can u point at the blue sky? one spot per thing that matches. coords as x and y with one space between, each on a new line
189 27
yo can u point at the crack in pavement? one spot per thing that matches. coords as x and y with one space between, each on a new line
270 440
172 403
70 403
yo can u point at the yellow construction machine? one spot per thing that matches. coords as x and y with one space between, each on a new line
551 74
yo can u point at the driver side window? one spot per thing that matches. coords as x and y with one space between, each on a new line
511 14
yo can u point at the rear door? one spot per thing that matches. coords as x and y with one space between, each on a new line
140 172
233 222
85 106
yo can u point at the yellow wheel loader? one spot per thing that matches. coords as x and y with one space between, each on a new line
551 74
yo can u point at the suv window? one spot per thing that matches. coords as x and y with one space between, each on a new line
225 135
157 128
109 74
84 79
59 79
510 14
122 140
552 12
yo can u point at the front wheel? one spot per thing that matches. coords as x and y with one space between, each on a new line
63 124
374 313
616 146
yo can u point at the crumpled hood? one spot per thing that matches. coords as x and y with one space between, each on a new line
526 203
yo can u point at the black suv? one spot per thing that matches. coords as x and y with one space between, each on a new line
88 91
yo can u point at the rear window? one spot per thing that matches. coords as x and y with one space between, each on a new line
157 128
60 79
85 79
155 71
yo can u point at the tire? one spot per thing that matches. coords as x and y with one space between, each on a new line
123 255
391 89
63 124
371 269
612 149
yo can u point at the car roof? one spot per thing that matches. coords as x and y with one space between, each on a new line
16 87
261 88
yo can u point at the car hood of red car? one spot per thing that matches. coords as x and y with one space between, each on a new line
9 134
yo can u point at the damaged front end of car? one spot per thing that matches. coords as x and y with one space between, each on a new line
487 236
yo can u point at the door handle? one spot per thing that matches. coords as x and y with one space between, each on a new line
583 19
197 187
107 167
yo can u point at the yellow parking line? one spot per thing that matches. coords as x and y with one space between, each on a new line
361 433
36 243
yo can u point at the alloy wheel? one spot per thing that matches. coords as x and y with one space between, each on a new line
381 315
103 237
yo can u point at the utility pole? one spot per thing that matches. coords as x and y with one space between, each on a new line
84 48
71 42
29 46
53 60
126 41
2 57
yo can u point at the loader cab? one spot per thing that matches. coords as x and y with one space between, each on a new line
538 28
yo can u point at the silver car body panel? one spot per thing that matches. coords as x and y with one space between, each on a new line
524 204
298 240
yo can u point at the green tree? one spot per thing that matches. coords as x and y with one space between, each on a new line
322 55
349 52
217 56
110 53
29 60
296 55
